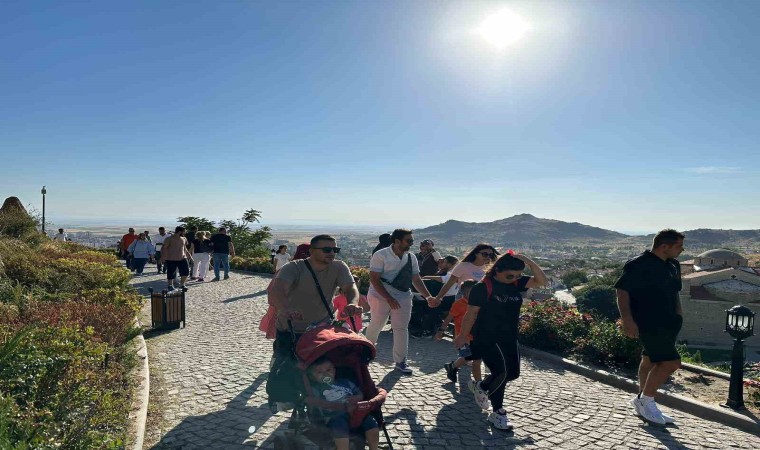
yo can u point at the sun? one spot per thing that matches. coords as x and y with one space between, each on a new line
503 28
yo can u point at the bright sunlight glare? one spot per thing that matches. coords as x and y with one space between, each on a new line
503 28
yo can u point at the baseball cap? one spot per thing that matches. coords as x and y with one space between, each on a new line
427 241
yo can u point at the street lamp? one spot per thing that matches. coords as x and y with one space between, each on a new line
43 192
740 324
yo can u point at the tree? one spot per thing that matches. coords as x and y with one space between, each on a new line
598 300
248 242
202 223
573 278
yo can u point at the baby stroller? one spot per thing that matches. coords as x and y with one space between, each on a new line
351 354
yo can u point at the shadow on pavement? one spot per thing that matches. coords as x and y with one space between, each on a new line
226 428
261 293
664 436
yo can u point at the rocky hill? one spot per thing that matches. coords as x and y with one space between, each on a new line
527 229
523 228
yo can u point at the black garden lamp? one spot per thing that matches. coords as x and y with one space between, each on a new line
740 324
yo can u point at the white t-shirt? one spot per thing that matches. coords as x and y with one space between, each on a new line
158 241
468 271
389 265
453 289
280 259
60 237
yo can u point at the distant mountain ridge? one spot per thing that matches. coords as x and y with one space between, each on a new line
528 229
520 228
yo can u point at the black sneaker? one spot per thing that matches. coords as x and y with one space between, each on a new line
215 279
226 277
451 371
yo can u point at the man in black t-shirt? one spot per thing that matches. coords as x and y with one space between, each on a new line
650 309
223 250
492 318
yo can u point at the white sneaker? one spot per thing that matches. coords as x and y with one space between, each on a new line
666 418
500 420
636 406
481 397
648 411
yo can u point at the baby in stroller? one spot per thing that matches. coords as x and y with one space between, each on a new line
338 403
342 393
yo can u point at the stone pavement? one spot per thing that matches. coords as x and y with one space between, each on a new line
212 388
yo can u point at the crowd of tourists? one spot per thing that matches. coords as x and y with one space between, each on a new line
482 294
186 253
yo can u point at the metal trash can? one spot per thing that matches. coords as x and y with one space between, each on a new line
167 309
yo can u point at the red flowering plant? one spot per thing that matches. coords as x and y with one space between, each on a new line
553 326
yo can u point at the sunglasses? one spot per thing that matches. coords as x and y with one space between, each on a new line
512 277
328 249
411 241
487 255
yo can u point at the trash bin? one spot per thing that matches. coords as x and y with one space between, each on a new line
167 309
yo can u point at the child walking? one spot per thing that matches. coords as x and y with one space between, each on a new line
456 313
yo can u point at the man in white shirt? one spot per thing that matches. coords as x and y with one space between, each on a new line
61 236
158 242
393 272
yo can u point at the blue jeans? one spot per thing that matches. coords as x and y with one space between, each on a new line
221 259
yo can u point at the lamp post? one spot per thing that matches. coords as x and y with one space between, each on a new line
43 192
740 323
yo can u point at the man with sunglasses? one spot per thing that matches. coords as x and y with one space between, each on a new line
393 272
296 296
301 302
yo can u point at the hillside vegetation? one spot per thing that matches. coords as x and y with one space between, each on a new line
66 315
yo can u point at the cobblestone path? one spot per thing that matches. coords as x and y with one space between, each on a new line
210 378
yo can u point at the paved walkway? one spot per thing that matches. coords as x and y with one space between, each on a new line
212 376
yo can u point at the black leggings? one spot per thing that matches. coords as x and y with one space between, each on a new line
503 361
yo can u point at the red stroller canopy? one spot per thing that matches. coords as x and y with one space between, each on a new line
319 341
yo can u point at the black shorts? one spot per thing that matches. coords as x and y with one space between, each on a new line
173 266
660 344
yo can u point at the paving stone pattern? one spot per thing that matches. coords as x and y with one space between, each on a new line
212 384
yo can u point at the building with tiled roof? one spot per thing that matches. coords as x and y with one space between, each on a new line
713 282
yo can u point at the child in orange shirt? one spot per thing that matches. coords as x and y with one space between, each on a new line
456 313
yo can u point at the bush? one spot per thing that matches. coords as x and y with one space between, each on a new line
558 328
259 265
362 273
17 224
64 388
66 313
598 300
574 278
606 345
551 325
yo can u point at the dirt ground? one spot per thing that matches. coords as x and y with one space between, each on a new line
707 389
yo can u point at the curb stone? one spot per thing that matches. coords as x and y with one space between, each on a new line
679 402
138 416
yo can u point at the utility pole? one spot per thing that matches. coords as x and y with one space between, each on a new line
44 191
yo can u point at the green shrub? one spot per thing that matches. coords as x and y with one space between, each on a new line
259 265
62 383
553 326
574 278
599 300
362 273
606 345
17 224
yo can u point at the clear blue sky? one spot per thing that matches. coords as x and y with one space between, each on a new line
630 115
